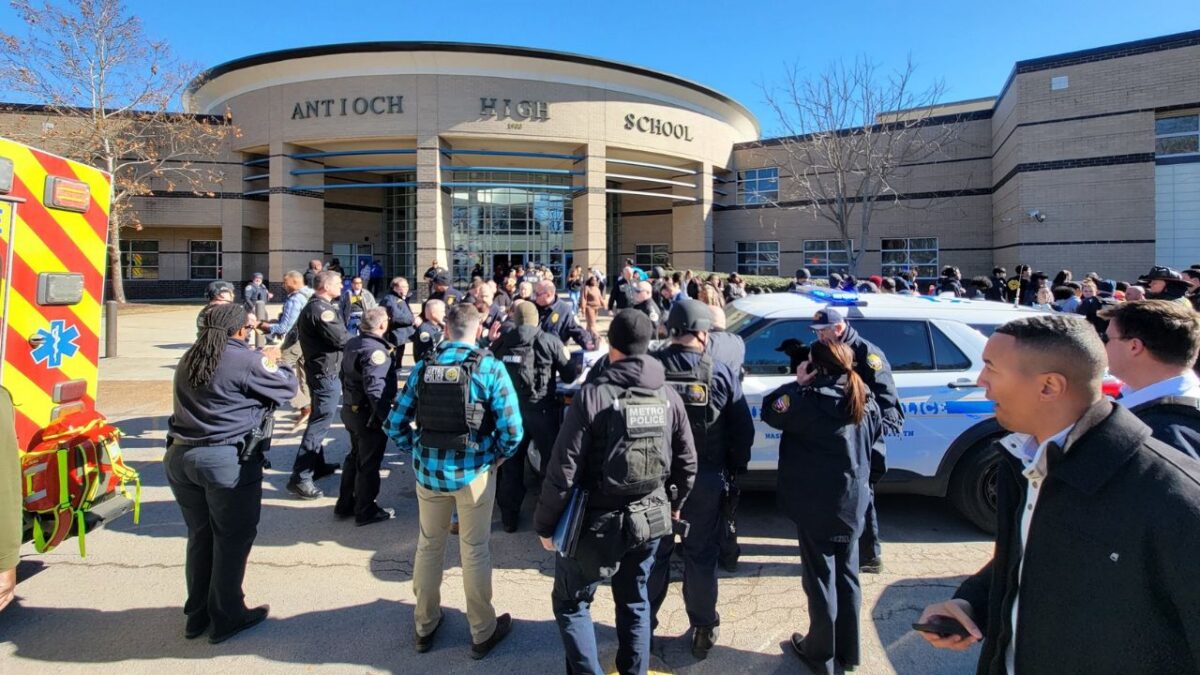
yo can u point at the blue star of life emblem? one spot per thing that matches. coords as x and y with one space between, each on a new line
57 343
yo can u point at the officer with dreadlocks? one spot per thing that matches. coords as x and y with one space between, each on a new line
626 450
723 431
368 389
535 361
224 395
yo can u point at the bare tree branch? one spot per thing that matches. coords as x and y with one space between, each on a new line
110 90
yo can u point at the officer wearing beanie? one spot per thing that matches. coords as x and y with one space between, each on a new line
723 430
535 361
627 443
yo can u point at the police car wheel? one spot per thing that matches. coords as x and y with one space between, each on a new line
973 485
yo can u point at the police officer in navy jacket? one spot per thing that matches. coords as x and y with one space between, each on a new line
224 391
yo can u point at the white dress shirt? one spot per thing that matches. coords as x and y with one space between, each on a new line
1026 448
1183 385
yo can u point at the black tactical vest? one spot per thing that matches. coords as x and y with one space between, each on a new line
632 457
445 414
520 363
694 386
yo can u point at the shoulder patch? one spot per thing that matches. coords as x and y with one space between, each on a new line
874 361
782 403
378 357
450 299
269 365
328 315
553 317
1014 284
424 336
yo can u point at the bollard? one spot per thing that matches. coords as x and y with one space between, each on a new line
110 329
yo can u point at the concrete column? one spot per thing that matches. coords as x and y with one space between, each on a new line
692 222
433 234
296 218
590 217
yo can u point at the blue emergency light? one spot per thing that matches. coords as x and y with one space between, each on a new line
832 296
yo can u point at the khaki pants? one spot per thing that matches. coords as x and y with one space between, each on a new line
292 356
474 503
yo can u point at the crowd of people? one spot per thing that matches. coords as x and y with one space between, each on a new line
1098 500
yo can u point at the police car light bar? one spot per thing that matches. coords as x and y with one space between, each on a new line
831 296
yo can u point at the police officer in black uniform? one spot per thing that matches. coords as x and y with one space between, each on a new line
400 318
322 337
627 412
217 293
368 390
723 431
873 367
535 361
442 290
224 395
429 334
556 316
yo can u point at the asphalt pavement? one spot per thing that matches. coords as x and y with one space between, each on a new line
341 598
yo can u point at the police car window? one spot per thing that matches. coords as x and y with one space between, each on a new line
736 319
986 328
761 357
947 354
904 343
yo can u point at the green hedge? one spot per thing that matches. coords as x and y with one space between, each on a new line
764 283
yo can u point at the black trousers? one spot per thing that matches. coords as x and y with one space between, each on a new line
541 423
326 391
868 544
221 501
700 550
360 471
830 579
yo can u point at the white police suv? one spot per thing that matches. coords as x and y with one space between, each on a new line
935 347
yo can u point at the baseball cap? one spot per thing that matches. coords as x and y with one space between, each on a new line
216 288
1162 273
257 275
630 332
827 317
442 278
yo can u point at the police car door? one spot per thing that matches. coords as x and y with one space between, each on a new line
935 364
766 371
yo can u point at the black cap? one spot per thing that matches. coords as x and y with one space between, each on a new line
689 316
216 288
442 279
827 317
630 332
1161 273
802 273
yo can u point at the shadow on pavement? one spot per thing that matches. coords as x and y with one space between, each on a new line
377 636
897 608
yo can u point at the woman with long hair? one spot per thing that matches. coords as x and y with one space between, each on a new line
224 394
828 419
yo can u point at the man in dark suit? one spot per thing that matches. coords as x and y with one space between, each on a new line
1098 524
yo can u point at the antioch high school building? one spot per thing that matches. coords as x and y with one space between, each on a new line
479 154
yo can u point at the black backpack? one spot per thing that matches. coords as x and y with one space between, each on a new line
632 460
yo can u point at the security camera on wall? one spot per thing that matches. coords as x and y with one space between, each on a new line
1037 215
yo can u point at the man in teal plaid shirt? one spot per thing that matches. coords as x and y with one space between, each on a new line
468 422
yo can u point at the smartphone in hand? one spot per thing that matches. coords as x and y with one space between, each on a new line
942 626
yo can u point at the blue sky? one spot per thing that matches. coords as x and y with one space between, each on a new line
736 46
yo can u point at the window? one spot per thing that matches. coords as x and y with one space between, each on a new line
758 257
204 259
761 355
1179 135
139 259
904 343
823 257
649 255
919 254
946 354
758 186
